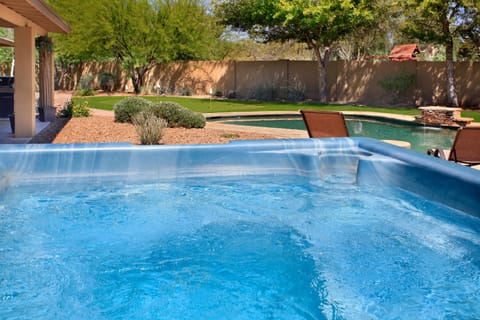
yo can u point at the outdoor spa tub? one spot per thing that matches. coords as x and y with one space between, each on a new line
285 229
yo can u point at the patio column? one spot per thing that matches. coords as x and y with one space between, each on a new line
24 92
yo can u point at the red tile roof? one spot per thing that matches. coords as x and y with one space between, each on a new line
404 52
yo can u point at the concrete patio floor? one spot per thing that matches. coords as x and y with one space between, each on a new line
7 137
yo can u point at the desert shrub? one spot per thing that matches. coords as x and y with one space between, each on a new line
230 135
85 92
265 93
177 115
296 91
149 127
193 120
186 92
147 89
126 108
86 82
231 94
75 109
161 88
214 92
398 84
106 81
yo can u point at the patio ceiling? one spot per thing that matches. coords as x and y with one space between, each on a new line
33 13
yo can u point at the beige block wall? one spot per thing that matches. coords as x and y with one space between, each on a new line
251 77
360 82
431 83
467 75
347 81
197 77
304 75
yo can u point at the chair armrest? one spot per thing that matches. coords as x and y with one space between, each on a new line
438 153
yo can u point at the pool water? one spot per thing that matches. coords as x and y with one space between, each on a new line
420 137
238 247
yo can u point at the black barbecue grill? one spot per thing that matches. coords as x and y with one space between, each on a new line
6 96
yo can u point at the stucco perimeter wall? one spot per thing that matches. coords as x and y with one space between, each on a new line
468 83
198 78
360 82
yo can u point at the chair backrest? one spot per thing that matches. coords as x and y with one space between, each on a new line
466 147
324 124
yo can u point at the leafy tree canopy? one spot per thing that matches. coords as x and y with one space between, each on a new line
138 33
437 21
322 22
6 54
444 22
319 24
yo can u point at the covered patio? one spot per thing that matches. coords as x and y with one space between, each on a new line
29 19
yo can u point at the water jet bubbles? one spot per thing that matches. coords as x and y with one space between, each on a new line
357 127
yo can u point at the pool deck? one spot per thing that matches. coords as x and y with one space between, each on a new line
280 133
297 113
292 133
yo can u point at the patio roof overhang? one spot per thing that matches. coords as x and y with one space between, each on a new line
29 18
32 13
6 43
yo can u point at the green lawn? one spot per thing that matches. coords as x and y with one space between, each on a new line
219 105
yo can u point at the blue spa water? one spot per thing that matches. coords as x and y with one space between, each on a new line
235 248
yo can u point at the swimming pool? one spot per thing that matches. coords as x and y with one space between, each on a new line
285 229
421 137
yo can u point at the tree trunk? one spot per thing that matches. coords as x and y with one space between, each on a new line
322 72
452 99
136 83
45 100
137 79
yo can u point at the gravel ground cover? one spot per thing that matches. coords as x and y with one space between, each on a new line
101 127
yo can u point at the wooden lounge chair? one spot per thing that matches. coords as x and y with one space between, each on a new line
465 148
324 124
